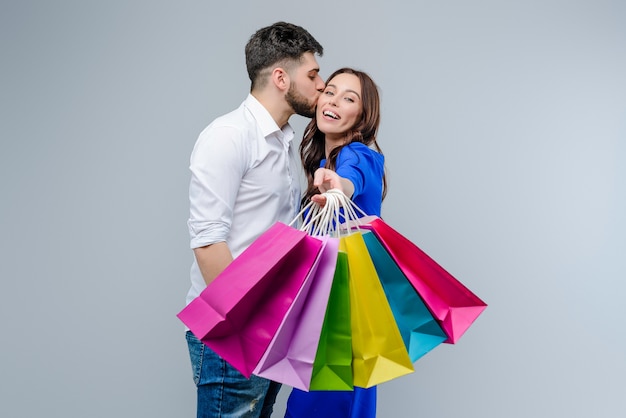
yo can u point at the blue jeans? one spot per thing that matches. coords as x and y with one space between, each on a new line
223 392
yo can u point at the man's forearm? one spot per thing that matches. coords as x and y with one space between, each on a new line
212 260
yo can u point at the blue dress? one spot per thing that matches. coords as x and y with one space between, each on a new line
364 167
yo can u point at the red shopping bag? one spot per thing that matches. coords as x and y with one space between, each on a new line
291 353
239 312
453 305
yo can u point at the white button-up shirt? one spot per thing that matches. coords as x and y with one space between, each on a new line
245 176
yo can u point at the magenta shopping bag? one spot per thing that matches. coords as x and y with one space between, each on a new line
291 353
240 311
453 305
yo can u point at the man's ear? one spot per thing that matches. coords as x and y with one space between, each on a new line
280 78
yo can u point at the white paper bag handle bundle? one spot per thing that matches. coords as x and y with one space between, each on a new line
329 219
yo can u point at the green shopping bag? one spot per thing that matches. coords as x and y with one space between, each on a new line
332 368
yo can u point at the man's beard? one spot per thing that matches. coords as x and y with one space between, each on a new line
298 103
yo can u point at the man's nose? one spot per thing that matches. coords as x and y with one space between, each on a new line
320 84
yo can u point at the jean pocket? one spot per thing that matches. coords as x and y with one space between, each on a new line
196 353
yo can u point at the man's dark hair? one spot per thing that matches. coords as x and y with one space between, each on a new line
279 42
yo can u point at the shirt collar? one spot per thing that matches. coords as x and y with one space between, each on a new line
267 124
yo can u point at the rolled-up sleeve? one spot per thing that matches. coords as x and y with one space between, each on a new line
217 165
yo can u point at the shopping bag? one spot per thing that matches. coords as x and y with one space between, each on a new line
332 367
378 351
239 312
420 331
453 305
291 353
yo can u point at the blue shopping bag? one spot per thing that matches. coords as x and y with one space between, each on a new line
420 331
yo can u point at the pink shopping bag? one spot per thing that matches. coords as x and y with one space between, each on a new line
291 353
240 311
453 305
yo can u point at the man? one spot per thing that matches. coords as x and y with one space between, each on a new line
244 178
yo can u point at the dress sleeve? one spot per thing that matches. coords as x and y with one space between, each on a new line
356 163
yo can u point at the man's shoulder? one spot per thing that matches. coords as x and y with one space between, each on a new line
238 121
238 117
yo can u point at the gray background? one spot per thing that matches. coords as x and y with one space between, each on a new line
504 129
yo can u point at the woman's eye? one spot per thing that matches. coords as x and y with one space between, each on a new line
350 99
328 92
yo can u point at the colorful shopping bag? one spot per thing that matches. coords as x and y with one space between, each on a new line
291 353
332 367
239 312
453 305
420 331
378 351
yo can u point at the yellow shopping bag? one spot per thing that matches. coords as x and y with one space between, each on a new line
378 351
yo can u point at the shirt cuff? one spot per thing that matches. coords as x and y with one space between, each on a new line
205 233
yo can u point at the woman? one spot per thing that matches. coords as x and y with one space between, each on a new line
339 150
